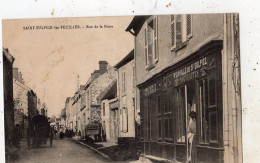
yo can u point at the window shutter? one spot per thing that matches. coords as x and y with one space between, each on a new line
150 42
145 46
155 38
173 36
189 25
178 31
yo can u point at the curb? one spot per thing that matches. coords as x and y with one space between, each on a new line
104 155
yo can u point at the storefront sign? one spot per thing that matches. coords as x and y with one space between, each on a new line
185 74
189 72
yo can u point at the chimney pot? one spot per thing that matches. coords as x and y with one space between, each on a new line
15 73
102 67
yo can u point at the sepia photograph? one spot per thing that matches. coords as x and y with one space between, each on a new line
143 88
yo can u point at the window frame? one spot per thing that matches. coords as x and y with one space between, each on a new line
182 19
124 111
173 24
155 53
123 75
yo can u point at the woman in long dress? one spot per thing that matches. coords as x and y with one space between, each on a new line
192 137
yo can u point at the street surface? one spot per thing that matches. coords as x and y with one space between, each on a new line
62 151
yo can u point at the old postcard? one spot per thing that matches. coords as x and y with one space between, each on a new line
151 88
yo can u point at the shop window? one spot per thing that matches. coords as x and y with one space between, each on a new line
180 118
160 128
212 91
204 120
168 128
159 105
151 42
213 129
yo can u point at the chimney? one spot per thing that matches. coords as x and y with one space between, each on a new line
20 77
102 67
94 74
15 73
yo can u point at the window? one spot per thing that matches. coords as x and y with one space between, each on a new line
160 128
124 120
123 83
212 91
181 30
104 109
133 79
213 130
173 32
204 121
181 115
168 127
165 123
151 42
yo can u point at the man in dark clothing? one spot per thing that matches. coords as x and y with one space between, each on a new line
51 135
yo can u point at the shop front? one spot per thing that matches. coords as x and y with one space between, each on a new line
192 85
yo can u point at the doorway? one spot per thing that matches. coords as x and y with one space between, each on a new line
187 102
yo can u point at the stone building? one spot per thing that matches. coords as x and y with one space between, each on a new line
84 107
25 104
188 63
8 61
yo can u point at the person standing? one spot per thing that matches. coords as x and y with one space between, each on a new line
191 137
51 135
79 134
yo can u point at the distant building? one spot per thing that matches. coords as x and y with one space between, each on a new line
109 113
8 61
126 98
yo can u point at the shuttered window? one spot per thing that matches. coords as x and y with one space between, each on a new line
181 30
189 25
151 42
173 34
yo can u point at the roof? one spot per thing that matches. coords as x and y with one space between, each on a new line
8 55
137 23
125 60
111 93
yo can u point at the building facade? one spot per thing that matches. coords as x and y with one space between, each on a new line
109 114
183 66
126 97
8 61
25 104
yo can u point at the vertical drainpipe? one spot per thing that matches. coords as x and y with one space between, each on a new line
234 100
135 102
226 114
118 98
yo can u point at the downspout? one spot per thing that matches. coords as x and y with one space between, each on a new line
118 114
135 102
226 114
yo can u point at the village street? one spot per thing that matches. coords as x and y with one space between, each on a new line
63 151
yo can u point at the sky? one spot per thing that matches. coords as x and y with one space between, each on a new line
51 59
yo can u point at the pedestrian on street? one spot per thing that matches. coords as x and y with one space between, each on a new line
51 135
192 137
79 134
